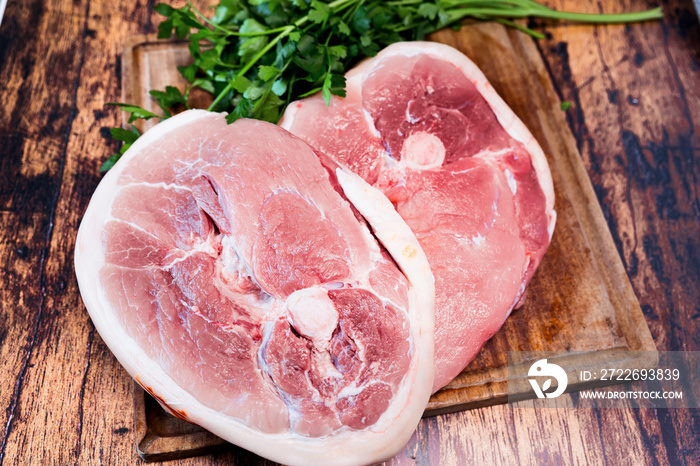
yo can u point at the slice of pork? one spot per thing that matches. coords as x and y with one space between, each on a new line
237 286
422 124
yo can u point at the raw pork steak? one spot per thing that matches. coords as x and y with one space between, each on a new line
227 273
421 123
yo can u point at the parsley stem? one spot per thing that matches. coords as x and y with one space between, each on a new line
404 3
221 95
520 27
460 13
287 30
500 4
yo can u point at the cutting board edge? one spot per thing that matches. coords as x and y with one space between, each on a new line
608 259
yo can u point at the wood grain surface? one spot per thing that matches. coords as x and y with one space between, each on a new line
635 93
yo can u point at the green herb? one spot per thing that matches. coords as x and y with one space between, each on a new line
128 137
256 56
565 105
169 99
137 113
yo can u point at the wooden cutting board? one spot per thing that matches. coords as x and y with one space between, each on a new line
580 298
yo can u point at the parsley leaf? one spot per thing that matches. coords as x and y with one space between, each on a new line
136 112
267 73
168 99
319 12
128 137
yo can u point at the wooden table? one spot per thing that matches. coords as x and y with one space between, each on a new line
635 92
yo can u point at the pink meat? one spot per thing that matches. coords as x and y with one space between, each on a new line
225 253
421 123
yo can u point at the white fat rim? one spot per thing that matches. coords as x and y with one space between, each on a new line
377 443
393 232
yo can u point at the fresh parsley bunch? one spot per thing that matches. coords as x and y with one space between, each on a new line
256 56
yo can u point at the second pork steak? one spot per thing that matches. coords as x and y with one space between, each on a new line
421 123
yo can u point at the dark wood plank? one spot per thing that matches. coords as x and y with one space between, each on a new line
635 94
38 110
66 60
636 131
21 253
